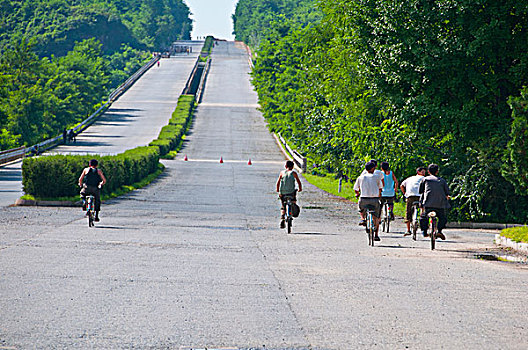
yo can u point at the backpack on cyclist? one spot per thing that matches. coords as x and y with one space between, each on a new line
296 210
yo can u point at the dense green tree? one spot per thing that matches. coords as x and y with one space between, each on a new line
409 82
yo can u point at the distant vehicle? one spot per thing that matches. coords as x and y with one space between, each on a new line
165 54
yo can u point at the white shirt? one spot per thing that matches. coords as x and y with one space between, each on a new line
376 172
412 185
369 185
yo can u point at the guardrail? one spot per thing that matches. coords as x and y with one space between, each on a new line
199 92
299 160
12 154
21 152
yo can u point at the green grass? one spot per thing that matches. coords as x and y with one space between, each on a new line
121 191
330 184
517 234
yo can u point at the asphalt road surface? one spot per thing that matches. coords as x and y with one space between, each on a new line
135 119
197 260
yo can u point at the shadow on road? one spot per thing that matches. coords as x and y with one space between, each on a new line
314 233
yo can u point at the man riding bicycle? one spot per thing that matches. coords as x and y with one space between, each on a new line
410 187
368 188
390 188
434 196
91 180
286 188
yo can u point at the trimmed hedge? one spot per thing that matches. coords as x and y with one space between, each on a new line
208 45
171 136
57 176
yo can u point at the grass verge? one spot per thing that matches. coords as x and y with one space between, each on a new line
517 234
119 192
330 184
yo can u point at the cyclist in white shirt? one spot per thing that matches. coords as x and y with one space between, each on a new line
368 188
410 187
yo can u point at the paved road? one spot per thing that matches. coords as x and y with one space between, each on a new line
196 259
134 119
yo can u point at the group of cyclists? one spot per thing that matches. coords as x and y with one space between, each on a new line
373 187
376 187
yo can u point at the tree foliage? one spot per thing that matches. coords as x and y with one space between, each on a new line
409 82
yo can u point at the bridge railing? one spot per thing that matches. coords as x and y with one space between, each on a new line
21 152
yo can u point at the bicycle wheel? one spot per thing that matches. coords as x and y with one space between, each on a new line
388 219
290 221
433 233
367 228
90 218
414 223
371 233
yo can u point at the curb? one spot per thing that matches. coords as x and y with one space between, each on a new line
481 225
34 203
506 242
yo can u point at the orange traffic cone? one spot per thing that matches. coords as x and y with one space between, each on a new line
221 160
185 158
249 161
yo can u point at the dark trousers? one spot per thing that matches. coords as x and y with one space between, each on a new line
440 214
94 191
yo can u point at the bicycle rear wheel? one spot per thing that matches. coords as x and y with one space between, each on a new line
433 234
414 223
289 224
371 230
90 218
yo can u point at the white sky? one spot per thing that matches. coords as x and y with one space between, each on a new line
212 17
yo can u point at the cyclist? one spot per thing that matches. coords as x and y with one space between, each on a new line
434 196
376 171
390 187
91 180
368 188
286 188
410 187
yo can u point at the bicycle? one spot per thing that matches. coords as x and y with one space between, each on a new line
433 226
386 218
370 226
90 201
288 211
415 220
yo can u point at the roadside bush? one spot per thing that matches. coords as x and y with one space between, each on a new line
56 176
208 45
171 136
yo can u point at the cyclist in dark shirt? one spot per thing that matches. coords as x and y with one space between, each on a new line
434 197
90 181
